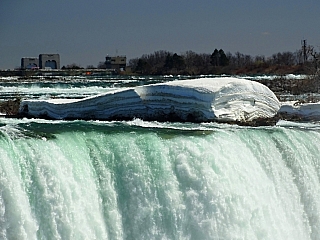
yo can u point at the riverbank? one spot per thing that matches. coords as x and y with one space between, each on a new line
58 72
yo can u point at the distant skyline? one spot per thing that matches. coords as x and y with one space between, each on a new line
84 32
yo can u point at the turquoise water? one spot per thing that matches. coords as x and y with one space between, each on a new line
150 180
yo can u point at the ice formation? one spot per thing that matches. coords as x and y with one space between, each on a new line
302 111
197 100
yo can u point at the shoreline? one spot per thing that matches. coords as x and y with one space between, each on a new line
58 72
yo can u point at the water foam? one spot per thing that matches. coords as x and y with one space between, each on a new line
129 180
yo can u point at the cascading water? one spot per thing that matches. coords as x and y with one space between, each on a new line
148 180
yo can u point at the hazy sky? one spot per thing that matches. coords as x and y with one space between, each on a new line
84 32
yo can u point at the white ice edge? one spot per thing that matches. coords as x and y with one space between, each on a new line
304 109
203 99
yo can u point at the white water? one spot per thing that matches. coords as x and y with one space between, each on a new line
146 180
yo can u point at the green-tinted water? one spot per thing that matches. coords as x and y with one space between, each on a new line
148 180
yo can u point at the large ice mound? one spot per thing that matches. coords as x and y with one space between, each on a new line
197 100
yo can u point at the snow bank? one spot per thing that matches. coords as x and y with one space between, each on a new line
303 111
197 100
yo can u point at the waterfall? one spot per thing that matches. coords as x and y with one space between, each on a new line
118 180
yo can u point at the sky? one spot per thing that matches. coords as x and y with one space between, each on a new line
84 32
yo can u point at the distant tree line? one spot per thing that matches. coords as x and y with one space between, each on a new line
72 66
305 60
218 62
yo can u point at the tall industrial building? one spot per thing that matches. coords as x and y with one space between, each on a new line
50 61
29 63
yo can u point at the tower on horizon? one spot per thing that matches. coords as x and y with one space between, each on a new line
49 61
29 63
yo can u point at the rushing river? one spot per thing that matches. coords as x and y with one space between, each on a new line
151 180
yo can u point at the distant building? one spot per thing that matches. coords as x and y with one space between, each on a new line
29 63
49 61
118 62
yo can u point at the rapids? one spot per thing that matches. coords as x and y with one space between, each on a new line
149 180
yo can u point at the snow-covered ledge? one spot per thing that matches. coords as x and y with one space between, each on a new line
197 100
294 110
